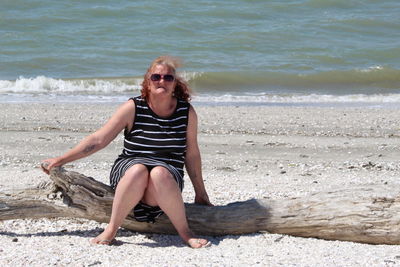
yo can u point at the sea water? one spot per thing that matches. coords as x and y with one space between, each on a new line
344 52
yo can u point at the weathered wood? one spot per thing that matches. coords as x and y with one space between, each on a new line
360 214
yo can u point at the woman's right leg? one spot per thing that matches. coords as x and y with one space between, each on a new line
129 192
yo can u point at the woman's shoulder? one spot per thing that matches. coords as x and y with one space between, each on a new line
128 106
183 107
137 99
190 111
183 103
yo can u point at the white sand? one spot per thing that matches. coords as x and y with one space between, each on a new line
247 152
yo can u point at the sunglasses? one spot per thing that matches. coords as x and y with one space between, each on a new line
167 77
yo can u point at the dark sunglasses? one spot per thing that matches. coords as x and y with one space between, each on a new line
167 77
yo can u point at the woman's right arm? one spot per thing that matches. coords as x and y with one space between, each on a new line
122 118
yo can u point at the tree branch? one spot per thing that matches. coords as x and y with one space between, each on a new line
359 214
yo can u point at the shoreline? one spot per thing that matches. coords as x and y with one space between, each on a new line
247 152
366 101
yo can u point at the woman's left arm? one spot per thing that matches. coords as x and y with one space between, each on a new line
193 160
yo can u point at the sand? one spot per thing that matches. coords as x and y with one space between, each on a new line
247 151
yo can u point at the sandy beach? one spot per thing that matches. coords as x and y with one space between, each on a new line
247 152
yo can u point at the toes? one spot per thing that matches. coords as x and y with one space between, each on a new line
207 244
199 243
106 242
93 241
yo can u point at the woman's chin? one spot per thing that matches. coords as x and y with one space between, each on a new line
161 91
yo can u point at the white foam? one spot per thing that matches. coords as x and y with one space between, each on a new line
42 84
294 98
43 88
189 76
372 68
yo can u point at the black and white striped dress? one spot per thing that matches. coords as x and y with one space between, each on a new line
153 141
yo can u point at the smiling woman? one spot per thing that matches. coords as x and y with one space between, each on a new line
160 130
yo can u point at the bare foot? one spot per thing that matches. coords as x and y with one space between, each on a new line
107 237
198 243
192 241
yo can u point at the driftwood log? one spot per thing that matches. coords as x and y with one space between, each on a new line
362 214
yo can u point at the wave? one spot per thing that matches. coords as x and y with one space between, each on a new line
46 85
372 80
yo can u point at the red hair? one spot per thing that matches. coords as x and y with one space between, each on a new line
182 90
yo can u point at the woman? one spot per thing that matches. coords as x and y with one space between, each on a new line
160 130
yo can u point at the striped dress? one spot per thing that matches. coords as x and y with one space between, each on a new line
153 141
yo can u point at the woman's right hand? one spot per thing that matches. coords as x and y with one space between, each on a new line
48 164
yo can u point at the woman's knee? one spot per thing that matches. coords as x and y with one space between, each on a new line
137 174
161 175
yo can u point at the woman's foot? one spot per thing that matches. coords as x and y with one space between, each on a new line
198 243
192 241
107 237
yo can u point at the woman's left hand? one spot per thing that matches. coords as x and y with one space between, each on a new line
202 199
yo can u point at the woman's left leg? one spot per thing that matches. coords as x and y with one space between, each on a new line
130 190
163 191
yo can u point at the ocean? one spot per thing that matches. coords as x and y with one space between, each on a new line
304 52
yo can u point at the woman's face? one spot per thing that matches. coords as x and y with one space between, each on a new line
162 80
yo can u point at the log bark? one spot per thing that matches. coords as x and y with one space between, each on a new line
361 214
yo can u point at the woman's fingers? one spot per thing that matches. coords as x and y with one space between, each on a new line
47 165
203 200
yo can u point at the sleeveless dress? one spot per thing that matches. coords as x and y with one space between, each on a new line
153 141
